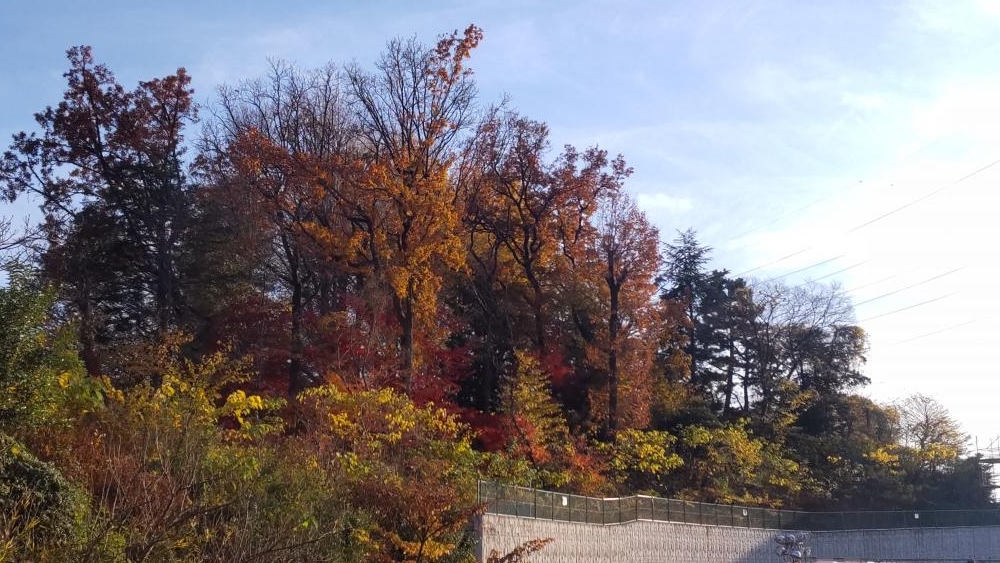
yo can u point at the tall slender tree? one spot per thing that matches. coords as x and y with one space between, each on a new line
412 114
272 143
627 256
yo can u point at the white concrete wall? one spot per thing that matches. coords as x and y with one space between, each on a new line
648 542
638 542
980 543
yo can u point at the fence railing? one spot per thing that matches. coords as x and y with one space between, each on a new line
536 503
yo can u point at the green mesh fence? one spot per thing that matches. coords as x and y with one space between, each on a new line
548 505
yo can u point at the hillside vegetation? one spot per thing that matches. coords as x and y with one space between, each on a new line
299 323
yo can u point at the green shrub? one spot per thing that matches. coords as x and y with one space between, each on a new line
38 507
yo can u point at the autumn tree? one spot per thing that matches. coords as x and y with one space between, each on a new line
626 253
531 246
912 456
926 426
412 112
412 469
108 169
842 438
803 335
514 201
264 154
509 205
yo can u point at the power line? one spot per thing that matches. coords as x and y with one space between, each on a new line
830 275
815 202
782 259
869 284
816 265
953 327
922 198
780 217
907 308
882 216
928 280
884 295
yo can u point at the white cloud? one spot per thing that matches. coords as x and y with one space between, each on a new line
967 110
863 101
661 202
989 7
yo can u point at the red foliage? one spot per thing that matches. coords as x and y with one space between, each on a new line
256 326
560 373
492 431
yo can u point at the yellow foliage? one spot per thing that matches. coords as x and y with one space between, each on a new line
429 550
938 453
415 462
642 458
883 456
340 424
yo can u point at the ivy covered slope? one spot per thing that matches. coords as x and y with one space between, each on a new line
301 327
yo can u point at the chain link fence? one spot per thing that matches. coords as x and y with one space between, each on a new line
535 503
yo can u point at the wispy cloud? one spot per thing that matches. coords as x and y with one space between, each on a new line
661 202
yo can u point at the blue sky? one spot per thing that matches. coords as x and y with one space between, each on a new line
774 128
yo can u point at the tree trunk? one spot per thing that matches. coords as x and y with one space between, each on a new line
536 308
295 381
296 384
88 345
730 375
692 345
163 291
614 321
404 312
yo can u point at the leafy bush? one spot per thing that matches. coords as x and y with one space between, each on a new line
38 507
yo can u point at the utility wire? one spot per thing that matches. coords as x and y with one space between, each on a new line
953 327
871 222
830 275
780 217
884 215
907 308
815 202
922 198
816 265
928 280
782 259
869 284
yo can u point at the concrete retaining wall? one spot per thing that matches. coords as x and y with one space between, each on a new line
638 542
979 544
648 542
